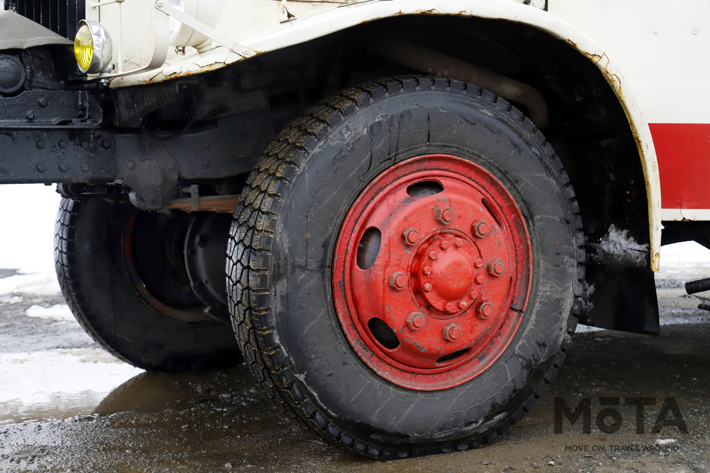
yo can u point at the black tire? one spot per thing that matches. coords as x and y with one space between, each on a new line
94 279
281 250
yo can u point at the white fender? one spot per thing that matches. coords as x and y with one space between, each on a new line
308 27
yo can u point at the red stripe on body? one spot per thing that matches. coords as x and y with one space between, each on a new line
683 152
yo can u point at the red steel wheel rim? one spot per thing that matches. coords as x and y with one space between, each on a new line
432 272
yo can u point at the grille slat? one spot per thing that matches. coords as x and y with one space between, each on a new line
60 16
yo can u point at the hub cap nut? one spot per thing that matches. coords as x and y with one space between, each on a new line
398 281
452 332
410 237
485 310
496 268
444 216
480 229
415 321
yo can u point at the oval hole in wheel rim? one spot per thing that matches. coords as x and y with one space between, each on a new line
424 189
383 333
368 248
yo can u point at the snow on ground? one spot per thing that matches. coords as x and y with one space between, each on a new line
686 261
58 312
42 284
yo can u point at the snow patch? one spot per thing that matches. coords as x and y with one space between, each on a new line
59 312
43 284
617 250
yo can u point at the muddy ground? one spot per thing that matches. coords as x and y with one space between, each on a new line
220 421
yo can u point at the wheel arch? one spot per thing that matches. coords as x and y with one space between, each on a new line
358 19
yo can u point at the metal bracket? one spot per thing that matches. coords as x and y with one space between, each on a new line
196 25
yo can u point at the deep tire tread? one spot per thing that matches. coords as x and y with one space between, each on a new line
290 150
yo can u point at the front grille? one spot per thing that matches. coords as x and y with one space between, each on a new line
60 16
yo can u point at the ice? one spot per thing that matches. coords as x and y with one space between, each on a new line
59 312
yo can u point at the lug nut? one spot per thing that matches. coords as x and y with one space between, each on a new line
452 332
480 229
496 268
449 307
479 279
415 321
398 281
485 310
432 255
427 287
444 216
445 245
410 236
426 270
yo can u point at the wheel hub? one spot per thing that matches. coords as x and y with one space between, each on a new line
446 273
450 278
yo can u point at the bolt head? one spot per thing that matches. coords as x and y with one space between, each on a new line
415 321
478 263
449 307
452 332
444 216
130 165
30 115
432 255
479 279
398 281
445 244
480 229
427 287
463 304
496 268
426 270
485 310
410 236
459 242
43 102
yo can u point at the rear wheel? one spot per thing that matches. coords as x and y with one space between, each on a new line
404 266
124 275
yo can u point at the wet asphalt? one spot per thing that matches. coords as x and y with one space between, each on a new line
221 422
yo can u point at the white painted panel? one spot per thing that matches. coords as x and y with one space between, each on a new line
661 47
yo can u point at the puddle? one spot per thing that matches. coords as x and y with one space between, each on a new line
49 385
147 392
